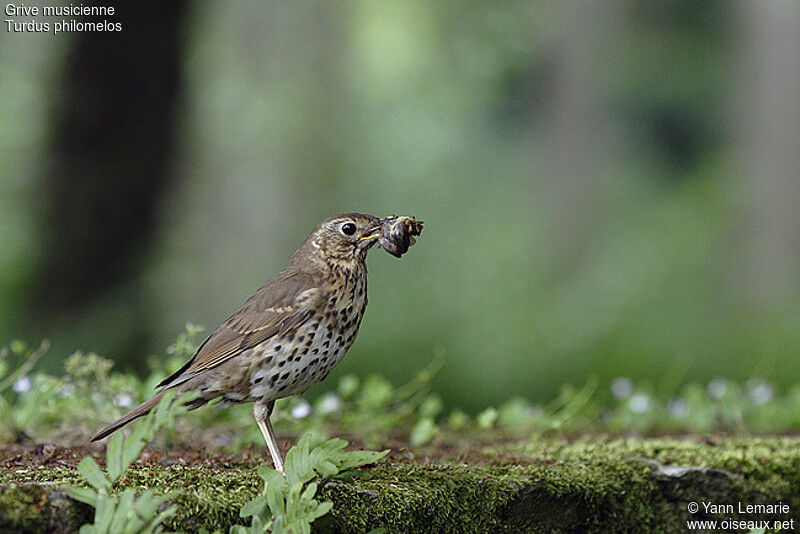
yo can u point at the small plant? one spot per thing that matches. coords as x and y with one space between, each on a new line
372 409
125 513
15 376
29 358
288 503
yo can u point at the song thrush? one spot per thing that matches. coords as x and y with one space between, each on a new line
291 332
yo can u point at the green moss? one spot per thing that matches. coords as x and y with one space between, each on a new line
451 498
207 497
23 508
535 486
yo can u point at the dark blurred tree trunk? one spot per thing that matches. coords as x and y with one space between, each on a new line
112 143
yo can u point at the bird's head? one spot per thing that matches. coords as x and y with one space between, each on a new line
343 239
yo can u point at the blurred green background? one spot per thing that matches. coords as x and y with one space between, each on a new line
609 188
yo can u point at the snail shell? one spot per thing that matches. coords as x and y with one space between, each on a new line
396 234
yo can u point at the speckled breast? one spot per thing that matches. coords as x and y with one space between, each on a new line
301 358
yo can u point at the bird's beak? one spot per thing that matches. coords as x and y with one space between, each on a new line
372 233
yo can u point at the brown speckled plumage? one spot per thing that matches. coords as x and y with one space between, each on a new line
289 334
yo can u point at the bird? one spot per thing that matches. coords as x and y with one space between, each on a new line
288 335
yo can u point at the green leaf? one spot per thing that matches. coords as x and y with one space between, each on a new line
457 419
163 410
104 513
135 443
348 385
332 447
146 505
297 465
273 478
376 393
291 498
326 468
84 495
123 513
424 431
146 508
274 493
322 509
253 507
353 459
487 418
431 406
169 512
114 460
92 473
309 492
259 526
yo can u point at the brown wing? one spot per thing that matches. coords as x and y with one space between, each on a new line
286 301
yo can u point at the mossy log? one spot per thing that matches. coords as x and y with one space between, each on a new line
591 485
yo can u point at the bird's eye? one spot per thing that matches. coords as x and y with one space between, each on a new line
348 228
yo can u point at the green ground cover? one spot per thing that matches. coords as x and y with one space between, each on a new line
593 484
579 463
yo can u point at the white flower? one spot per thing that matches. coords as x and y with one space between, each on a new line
124 400
639 403
760 390
678 408
717 388
622 388
22 385
301 409
330 403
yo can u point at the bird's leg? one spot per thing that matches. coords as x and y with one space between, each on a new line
262 412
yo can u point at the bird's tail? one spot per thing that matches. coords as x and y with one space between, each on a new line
141 410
